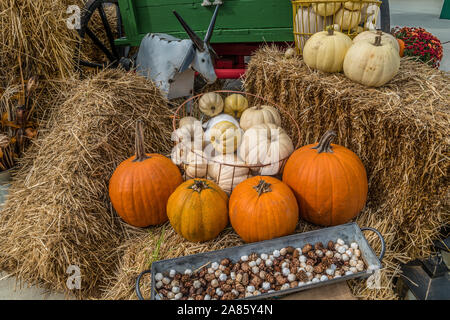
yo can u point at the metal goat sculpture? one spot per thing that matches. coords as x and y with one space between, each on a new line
171 63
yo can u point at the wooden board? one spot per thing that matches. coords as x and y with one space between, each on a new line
337 291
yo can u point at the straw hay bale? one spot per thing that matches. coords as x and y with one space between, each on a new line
58 212
400 131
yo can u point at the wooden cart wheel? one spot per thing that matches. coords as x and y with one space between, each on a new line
102 36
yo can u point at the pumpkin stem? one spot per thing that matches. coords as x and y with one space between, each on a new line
139 143
377 41
199 185
262 187
330 30
325 142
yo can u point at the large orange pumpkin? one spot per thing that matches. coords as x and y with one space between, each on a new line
263 208
198 210
141 185
329 182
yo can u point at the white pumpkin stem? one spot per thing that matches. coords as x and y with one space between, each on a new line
377 41
324 144
139 143
330 30
262 187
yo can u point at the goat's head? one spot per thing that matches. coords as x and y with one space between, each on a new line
202 59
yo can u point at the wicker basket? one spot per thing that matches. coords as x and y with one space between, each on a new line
234 173
351 17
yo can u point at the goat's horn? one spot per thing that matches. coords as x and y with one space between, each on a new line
209 33
194 37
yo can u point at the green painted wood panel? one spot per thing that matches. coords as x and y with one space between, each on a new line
237 21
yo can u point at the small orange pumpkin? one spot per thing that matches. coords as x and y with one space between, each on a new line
141 185
263 208
401 46
328 180
198 210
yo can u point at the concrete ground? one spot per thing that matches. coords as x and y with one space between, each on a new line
403 13
425 14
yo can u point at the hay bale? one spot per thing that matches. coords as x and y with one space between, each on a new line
58 213
400 131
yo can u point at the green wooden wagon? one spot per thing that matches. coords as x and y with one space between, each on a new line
241 27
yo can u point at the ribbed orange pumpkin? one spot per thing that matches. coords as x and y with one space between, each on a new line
329 182
401 45
263 208
198 210
141 185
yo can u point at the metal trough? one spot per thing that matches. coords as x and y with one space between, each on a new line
349 232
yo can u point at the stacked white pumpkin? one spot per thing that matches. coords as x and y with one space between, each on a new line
371 59
236 142
348 16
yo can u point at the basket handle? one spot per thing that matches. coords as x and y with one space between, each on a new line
383 243
138 286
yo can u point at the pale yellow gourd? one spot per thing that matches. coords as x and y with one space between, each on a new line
371 35
371 64
326 7
354 5
228 176
258 115
265 144
211 104
235 104
348 19
326 50
225 137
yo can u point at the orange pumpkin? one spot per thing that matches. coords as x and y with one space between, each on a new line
141 185
198 210
263 208
329 182
401 46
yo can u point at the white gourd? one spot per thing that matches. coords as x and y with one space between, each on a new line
348 19
227 176
371 35
259 114
265 144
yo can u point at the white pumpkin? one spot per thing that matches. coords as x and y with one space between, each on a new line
196 164
259 114
265 144
190 134
326 7
348 19
307 22
211 104
228 176
186 120
326 50
354 5
371 64
371 35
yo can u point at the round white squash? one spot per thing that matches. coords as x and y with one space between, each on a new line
228 176
326 7
307 22
259 114
186 120
191 135
326 50
371 35
371 64
348 19
196 164
211 104
354 5
265 144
